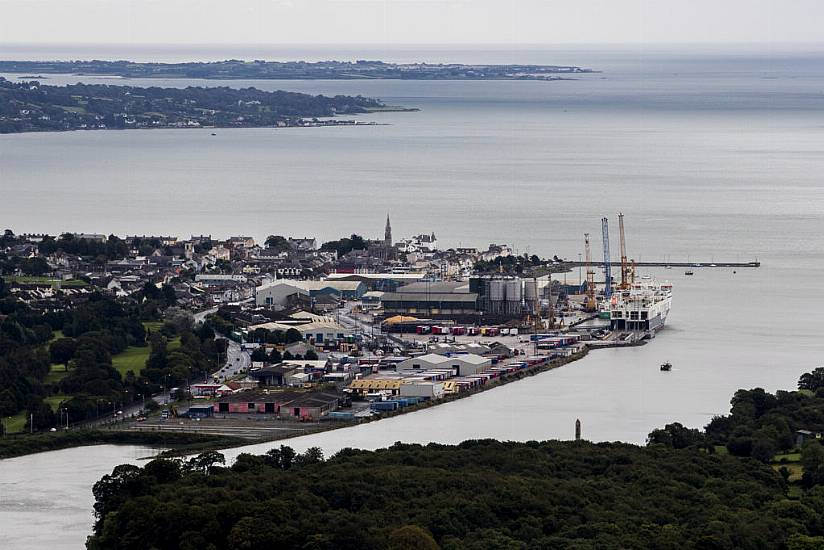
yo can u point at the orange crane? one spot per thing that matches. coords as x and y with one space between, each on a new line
589 304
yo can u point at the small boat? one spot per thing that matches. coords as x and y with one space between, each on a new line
666 367
689 272
214 134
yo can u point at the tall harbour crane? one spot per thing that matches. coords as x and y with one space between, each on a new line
589 304
624 267
607 264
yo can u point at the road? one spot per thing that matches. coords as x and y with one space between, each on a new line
237 361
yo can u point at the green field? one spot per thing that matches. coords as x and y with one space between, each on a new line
56 374
16 423
24 279
152 326
134 358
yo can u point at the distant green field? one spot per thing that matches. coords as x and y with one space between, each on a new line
56 374
152 326
24 279
55 400
16 423
134 358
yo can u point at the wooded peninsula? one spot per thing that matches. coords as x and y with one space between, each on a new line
296 70
30 106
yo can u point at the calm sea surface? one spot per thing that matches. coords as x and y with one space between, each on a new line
711 157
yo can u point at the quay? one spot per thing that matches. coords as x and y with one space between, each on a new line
671 264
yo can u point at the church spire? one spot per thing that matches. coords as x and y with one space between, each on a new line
387 233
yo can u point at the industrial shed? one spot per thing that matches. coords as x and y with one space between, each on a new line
465 364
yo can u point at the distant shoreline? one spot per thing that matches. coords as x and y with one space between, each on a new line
299 70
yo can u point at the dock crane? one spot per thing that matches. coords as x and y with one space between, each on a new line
589 304
624 267
607 264
536 319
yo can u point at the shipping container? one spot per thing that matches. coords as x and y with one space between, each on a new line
384 406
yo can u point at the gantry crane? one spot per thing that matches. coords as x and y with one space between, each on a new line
589 303
607 264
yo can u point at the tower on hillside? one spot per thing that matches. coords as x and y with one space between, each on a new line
387 233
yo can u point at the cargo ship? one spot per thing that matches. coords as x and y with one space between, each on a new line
643 306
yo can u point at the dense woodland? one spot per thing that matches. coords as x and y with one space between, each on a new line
477 495
685 489
31 106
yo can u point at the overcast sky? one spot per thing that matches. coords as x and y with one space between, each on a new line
390 22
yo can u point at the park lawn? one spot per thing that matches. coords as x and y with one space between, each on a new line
71 283
134 358
153 326
56 373
790 457
16 423
55 400
796 470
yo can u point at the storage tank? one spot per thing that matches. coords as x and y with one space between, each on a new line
513 290
497 288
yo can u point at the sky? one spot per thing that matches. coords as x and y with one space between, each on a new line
403 22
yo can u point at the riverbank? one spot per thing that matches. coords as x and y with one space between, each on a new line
18 445
331 425
180 441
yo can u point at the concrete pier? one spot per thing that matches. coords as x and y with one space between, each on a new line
671 264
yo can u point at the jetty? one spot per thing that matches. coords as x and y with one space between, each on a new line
672 264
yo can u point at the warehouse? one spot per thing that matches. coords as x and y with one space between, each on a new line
466 364
279 292
442 299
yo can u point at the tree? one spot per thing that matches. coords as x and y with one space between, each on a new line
812 381
675 435
277 243
812 460
259 355
313 455
181 319
411 537
169 295
204 462
293 335
311 355
62 350
275 356
34 266
39 416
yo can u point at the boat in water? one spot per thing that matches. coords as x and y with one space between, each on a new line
689 272
666 367
642 307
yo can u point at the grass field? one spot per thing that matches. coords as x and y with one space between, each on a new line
56 374
24 279
134 358
16 423
152 326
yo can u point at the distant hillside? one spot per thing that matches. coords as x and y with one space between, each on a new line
32 106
